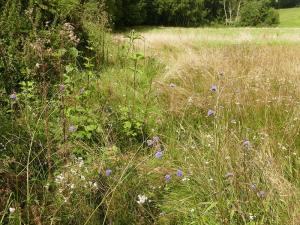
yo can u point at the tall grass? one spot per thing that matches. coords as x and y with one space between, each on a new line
174 129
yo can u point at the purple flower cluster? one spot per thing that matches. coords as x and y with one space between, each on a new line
159 154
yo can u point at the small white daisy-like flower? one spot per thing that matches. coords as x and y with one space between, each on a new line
185 179
251 217
142 199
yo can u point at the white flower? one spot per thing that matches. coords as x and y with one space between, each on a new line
95 185
12 210
251 217
185 179
142 199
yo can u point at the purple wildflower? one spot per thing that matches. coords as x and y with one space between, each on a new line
72 128
13 96
211 113
159 154
213 88
108 172
168 177
179 173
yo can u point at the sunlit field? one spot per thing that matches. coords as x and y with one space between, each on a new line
289 17
181 126
231 101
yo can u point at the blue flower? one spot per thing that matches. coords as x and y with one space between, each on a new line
168 177
159 154
179 173
108 172
211 113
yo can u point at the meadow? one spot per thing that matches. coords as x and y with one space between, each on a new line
183 126
289 17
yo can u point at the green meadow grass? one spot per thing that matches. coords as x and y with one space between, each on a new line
238 165
289 17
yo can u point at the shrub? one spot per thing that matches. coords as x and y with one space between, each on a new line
258 13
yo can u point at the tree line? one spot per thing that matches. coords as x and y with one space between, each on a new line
196 12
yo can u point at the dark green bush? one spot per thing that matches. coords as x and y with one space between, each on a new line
258 13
